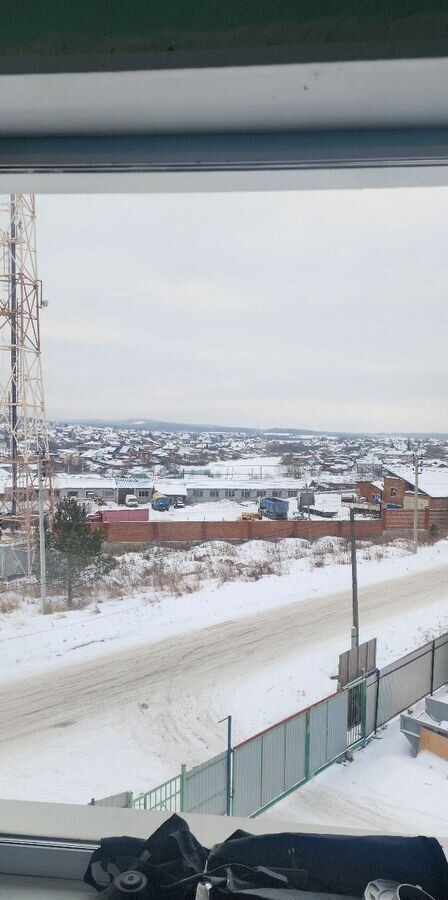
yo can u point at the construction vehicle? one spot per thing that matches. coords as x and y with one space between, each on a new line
160 502
273 507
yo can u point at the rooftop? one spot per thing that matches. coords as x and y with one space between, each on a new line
433 482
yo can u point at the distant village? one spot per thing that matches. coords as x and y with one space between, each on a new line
82 449
221 474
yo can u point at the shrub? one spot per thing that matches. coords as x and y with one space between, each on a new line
9 603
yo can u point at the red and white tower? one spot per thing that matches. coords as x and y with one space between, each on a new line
23 425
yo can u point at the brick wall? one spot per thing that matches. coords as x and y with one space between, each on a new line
367 490
394 484
172 532
438 512
402 519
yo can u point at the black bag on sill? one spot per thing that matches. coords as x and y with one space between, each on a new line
169 855
267 867
340 864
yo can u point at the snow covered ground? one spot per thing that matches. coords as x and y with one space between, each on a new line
229 510
225 510
31 642
116 695
254 466
330 501
222 510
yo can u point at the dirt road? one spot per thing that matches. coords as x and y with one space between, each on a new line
168 674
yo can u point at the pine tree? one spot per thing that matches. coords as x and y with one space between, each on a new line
73 550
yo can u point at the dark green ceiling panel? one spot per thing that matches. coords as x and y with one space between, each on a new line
41 34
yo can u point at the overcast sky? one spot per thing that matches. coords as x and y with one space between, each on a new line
315 310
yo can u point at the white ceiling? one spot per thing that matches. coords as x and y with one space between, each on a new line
378 94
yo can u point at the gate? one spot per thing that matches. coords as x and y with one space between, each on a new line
356 712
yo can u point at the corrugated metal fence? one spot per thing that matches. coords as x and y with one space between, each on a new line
395 687
203 789
206 787
269 765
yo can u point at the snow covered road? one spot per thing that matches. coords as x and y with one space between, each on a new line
127 720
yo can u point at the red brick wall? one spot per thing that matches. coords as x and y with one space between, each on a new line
367 490
402 519
397 484
438 512
146 532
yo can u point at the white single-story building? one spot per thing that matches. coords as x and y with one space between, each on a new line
209 489
193 490
112 490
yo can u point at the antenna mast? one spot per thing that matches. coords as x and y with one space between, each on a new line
23 424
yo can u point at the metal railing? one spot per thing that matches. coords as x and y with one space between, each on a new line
167 797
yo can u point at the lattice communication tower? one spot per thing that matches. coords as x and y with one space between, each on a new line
23 424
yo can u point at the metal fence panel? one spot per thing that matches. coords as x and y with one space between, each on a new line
402 686
295 750
440 662
318 737
13 560
328 730
206 786
247 777
371 699
408 658
273 764
337 714
356 662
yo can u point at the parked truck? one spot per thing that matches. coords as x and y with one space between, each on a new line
119 515
160 502
273 507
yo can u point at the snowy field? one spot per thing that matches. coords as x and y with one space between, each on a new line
162 593
122 691
221 511
253 466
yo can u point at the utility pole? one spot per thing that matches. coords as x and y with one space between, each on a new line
228 719
416 473
355 626
43 567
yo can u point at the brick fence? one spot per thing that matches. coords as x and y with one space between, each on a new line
392 521
403 519
173 532
438 513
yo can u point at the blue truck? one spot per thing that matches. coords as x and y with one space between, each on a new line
160 502
273 507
